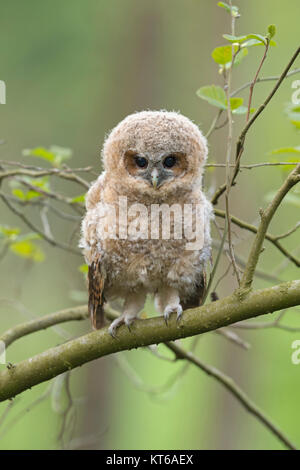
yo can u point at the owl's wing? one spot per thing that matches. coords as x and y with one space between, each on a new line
96 271
96 280
196 299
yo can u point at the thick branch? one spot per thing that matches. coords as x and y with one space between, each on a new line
232 309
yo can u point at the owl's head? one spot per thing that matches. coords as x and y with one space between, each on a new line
155 151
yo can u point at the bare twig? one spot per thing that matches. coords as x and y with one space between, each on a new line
254 165
252 85
264 79
29 224
242 137
236 391
33 173
266 217
272 238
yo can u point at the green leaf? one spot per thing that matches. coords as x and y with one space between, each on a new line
223 55
239 57
83 268
240 39
28 194
214 95
61 154
242 110
271 30
235 103
39 152
296 124
9 232
286 150
55 154
27 249
293 113
254 42
234 9
19 194
236 106
80 198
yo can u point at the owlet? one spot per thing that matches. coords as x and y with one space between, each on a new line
147 223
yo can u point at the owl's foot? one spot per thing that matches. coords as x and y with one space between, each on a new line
123 319
133 304
172 309
115 325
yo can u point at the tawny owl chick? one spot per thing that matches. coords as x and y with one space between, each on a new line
153 164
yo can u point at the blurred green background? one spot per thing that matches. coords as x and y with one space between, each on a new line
73 70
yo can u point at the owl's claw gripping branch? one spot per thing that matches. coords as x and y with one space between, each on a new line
171 309
113 327
179 314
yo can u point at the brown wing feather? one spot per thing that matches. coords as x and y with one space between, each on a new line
196 299
96 280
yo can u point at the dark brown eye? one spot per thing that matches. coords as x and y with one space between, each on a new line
169 161
141 162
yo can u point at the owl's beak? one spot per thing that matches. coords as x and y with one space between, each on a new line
154 178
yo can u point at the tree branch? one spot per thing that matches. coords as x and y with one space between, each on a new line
41 323
236 307
272 238
242 137
266 217
65 174
238 393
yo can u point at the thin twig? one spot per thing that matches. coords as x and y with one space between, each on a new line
235 390
266 217
65 174
272 238
254 165
242 137
256 78
264 79
29 224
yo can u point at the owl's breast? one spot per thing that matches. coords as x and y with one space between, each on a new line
149 263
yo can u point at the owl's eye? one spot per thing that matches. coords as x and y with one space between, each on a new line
169 161
141 162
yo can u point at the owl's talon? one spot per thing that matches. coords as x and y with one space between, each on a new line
112 332
128 322
167 312
114 326
171 309
179 314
